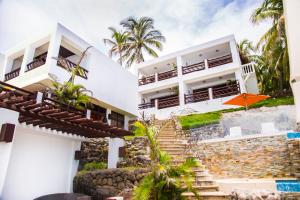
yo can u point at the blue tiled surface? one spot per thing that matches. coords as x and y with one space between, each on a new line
288 185
293 135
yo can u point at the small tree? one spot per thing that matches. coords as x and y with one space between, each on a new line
165 181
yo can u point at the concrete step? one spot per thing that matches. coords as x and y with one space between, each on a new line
206 188
207 195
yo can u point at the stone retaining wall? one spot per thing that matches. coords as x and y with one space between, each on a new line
252 157
100 184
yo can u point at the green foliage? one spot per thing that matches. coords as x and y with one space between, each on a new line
165 182
94 166
139 36
71 94
198 120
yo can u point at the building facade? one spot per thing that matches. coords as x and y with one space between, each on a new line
33 64
198 79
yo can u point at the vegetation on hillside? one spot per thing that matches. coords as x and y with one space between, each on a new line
138 37
198 120
165 181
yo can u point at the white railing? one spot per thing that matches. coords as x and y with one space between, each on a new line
248 69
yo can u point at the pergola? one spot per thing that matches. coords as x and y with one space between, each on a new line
39 110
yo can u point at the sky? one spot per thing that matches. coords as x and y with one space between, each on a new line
184 23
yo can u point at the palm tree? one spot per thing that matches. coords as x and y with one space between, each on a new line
273 43
164 182
246 50
143 37
118 44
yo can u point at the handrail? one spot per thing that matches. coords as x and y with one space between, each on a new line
193 68
168 102
146 105
37 62
146 80
13 74
227 90
196 97
214 62
167 74
65 63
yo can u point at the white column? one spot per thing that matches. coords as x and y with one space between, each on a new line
7 116
108 112
234 53
2 66
156 76
181 85
126 122
206 63
113 151
28 57
239 78
292 15
210 93
53 49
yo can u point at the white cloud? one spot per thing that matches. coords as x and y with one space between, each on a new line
184 23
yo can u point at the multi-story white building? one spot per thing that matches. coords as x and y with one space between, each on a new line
31 65
197 79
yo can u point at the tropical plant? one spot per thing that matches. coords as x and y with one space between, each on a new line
118 44
273 45
246 49
142 37
165 181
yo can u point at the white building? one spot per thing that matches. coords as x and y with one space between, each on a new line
31 65
39 138
198 79
292 15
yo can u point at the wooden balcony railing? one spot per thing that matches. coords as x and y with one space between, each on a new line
69 65
41 60
196 97
168 102
219 61
146 105
13 74
167 75
193 68
147 80
227 90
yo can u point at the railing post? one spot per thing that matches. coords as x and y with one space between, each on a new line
156 77
210 93
156 103
206 63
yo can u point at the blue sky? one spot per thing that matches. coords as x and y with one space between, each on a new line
183 22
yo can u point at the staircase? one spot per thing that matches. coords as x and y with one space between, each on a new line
174 145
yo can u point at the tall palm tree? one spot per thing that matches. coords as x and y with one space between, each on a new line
246 49
118 44
273 43
143 37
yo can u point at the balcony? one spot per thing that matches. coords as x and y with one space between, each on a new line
13 74
143 106
219 61
193 68
197 96
167 102
68 65
37 62
167 75
226 90
146 80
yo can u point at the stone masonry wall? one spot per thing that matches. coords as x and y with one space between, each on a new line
259 157
100 184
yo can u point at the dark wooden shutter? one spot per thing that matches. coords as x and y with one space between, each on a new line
7 132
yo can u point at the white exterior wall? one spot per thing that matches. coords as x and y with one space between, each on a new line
40 163
113 86
183 80
2 58
292 16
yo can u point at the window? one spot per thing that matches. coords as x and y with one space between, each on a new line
98 113
117 119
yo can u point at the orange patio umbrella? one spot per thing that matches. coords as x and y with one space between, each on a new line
246 99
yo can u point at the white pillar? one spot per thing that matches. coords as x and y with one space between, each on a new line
292 15
108 112
126 122
181 85
206 63
239 78
2 70
156 77
234 53
210 93
113 151
7 116
53 48
27 58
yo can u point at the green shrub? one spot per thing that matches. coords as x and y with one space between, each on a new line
94 165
